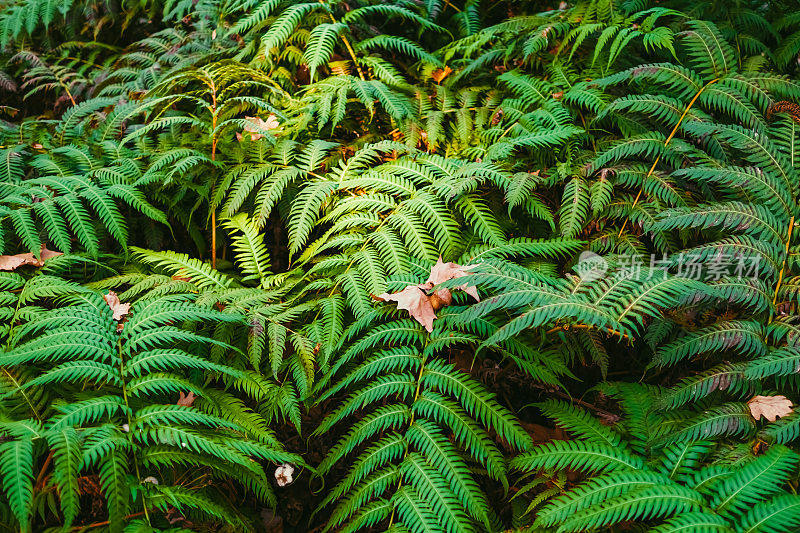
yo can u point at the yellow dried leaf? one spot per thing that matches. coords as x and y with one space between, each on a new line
441 73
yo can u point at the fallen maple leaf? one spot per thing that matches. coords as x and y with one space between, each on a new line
13 262
255 125
421 306
415 301
186 399
118 308
46 254
770 407
442 272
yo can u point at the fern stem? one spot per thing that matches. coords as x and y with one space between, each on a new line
213 158
104 523
783 266
349 48
213 238
447 2
7 373
416 392
27 400
128 416
587 326
669 138
47 461
410 423
69 94
353 55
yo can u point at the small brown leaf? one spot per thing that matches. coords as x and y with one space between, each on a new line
770 407
256 125
497 116
415 301
444 271
46 254
441 298
441 73
13 262
119 309
186 399
558 95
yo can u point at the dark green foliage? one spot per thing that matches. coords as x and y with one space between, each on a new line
691 485
128 429
615 179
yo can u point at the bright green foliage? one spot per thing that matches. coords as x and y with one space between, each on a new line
415 475
74 192
116 413
616 178
635 476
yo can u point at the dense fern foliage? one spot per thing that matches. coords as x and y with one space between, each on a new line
123 427
641 472
399 266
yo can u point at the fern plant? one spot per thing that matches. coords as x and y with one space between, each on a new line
57 189
637 474
693 169
410 474
589 168
115 419
743 213
347 33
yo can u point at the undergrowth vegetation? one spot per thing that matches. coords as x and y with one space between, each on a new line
399 266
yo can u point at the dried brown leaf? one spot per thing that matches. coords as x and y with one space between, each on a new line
119 309
46 254
13 262
186 399
256 125
770 407
442 272
441 298
415 301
